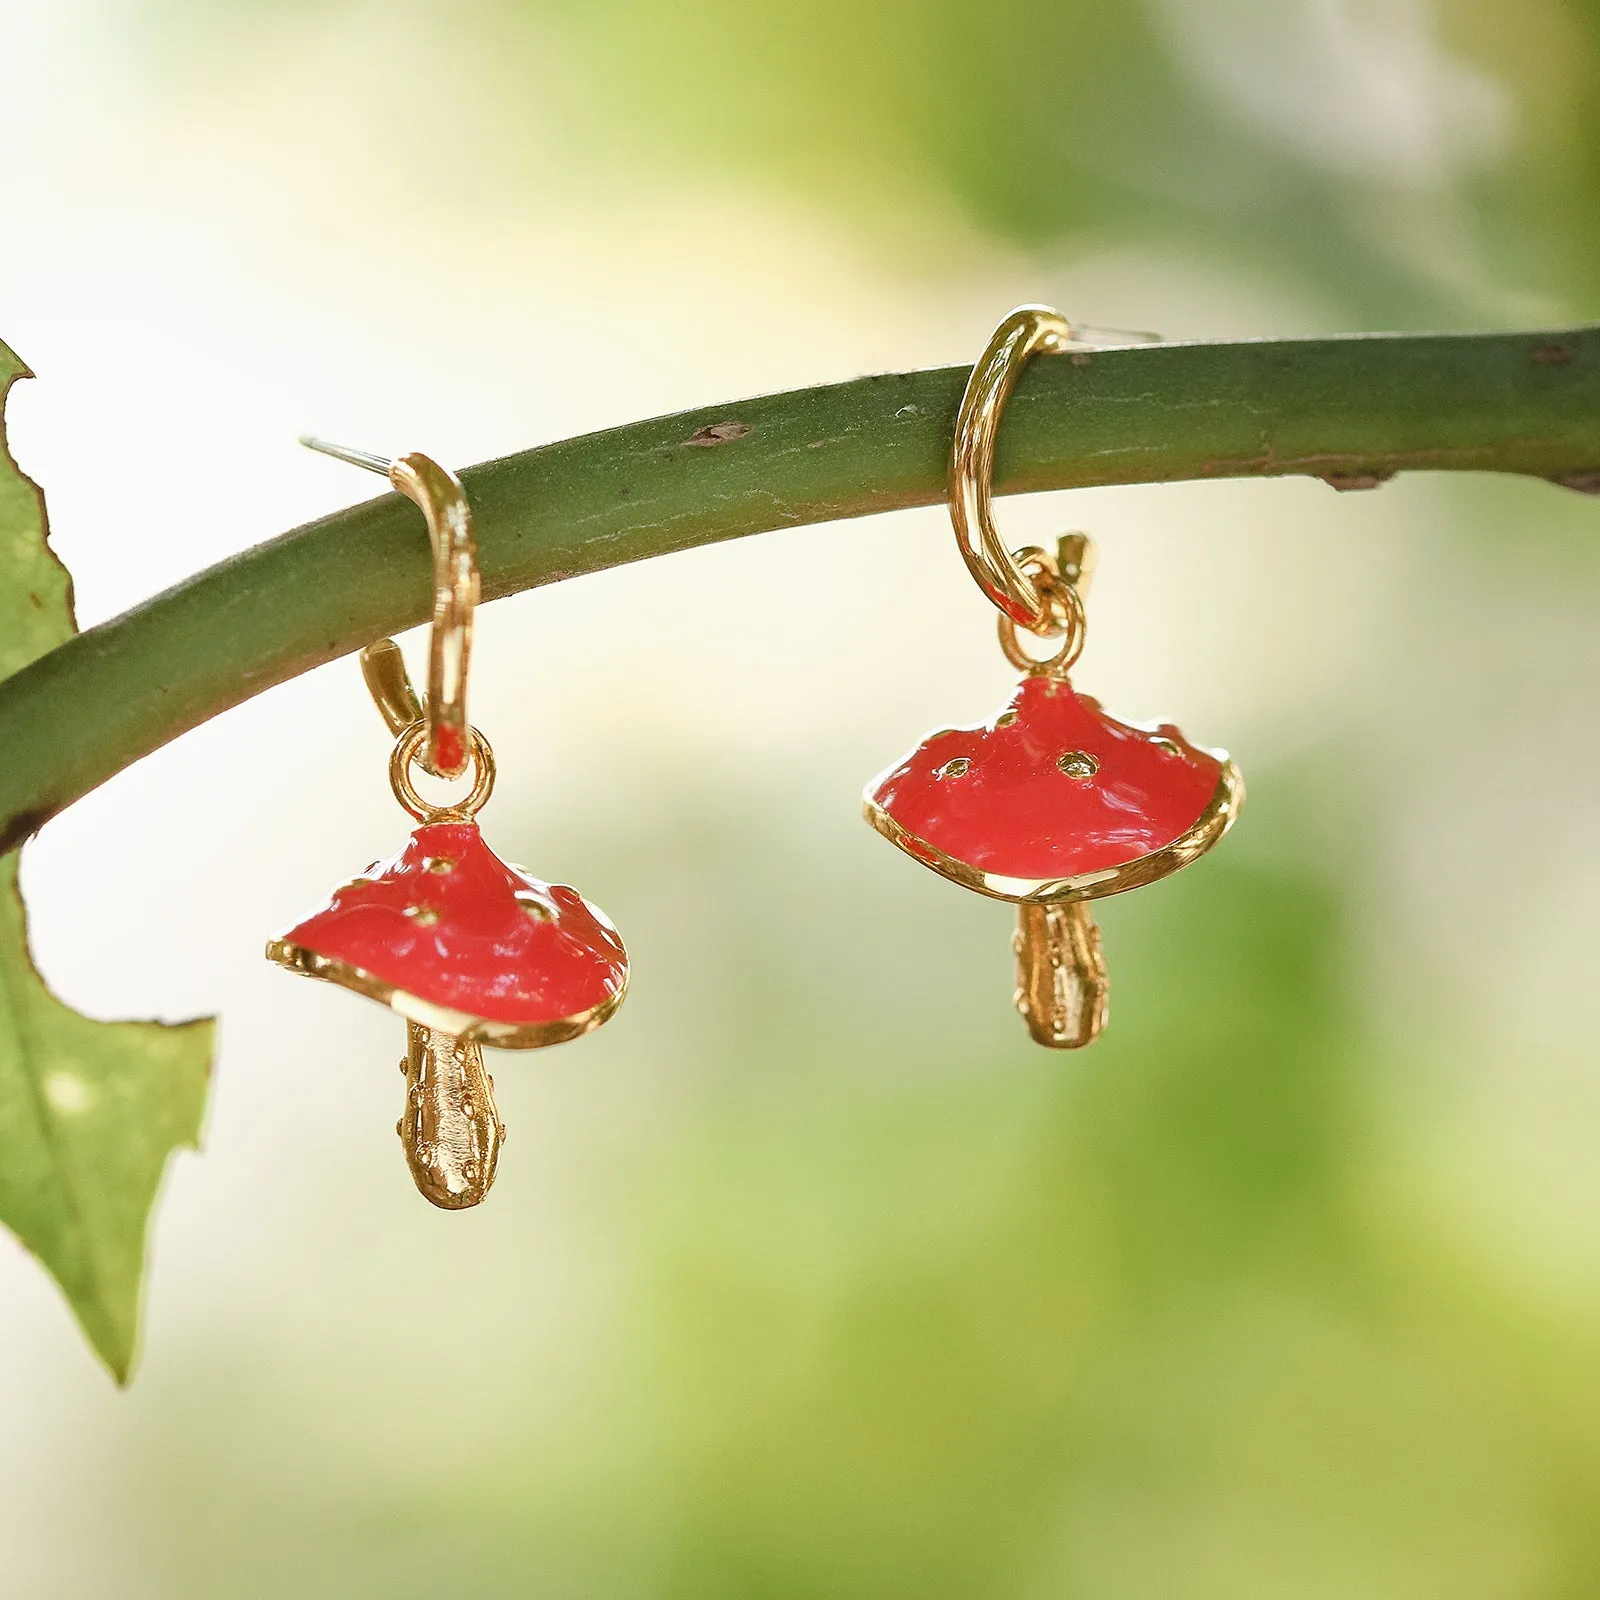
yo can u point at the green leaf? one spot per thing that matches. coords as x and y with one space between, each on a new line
89 1111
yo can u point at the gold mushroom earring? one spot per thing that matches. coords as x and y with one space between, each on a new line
1053 803
467 948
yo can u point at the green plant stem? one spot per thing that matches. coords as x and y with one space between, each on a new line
1351 410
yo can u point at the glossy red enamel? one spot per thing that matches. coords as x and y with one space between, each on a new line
449 921
449 748
1007 808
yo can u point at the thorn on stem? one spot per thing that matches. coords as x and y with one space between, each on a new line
1581 482
718 433
1346 481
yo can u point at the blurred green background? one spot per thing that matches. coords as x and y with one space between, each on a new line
809 1276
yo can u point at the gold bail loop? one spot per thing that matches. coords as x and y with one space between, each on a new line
456 588
1063 578
1017 595
1062 600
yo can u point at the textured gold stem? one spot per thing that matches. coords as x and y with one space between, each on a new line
1062 984
451 1131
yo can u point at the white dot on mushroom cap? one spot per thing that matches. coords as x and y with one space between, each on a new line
957 768
68 1093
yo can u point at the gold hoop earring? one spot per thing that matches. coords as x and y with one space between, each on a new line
469 949
1053 803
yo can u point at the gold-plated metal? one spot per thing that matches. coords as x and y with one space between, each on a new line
1026 332
451 1129
1076 556
462 1024
1063 984
1062 598
384 670
456 590
1063 988
1064 579
409 748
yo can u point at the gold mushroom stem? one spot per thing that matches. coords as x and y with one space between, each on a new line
1062 984
451 1130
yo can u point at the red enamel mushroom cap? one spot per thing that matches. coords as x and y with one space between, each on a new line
1054 800
452 937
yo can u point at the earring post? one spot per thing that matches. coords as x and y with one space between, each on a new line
341 452
1110 338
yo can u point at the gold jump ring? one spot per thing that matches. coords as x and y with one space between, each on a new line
1063 603
1028 330
408 748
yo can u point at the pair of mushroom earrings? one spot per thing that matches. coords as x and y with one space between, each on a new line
1050 805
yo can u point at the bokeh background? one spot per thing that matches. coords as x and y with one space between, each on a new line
809 1276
